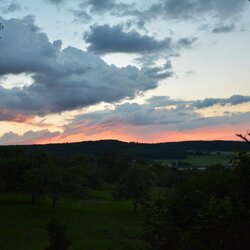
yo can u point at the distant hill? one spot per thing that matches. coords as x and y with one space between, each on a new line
169 150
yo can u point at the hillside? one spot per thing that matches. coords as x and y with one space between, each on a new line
170 150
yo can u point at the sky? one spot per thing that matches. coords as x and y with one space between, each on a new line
144 71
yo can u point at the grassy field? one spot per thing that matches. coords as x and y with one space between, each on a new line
95 223
205 160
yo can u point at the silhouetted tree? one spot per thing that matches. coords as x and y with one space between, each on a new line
207 210
135 185
57 237
220 224
13 163
244 137
34 183
69 183
55 182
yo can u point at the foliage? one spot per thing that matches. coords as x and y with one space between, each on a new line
55 182
113 165
242 178
220 224
67 183
165 176
135 185
207 210
13 163
57 237
34 183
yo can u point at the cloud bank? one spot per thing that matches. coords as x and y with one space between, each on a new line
158 117
63 79
167 112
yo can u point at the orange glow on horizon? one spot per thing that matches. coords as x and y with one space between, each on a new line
219 132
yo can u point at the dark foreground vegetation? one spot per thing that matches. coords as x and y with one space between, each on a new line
124 199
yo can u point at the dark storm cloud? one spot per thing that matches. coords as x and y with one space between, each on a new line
62 79
224 28
106 39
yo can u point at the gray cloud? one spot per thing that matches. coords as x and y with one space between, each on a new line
56 2
238 99
14 116
100 6
162 72
81 15
62 79
30 137
233 100
32 53
186 42
161 111
106 39
224 28
176 9
9 7
87 9
192 9
218 10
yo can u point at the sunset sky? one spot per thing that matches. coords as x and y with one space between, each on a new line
135 70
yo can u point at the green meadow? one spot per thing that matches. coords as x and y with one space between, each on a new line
212 159
96 222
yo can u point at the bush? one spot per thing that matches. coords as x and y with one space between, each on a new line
57 237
